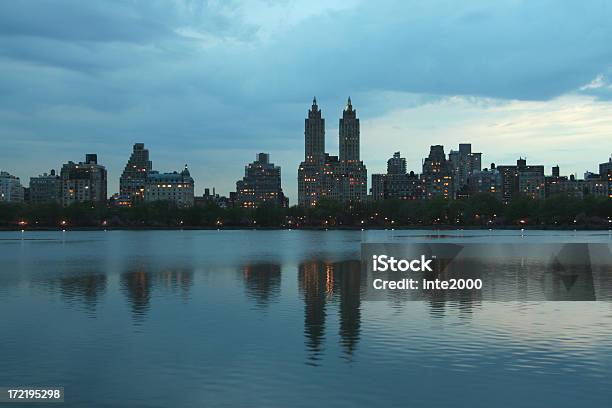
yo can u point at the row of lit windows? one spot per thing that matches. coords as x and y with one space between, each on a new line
173 186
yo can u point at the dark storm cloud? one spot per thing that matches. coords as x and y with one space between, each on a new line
193 75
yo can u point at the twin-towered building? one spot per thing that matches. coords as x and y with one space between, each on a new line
320 176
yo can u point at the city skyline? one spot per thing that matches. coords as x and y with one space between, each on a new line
414 159
200 83
344 178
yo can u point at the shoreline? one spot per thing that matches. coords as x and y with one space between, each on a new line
404 228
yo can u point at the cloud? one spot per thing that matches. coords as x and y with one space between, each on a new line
73 20
598 82
204 76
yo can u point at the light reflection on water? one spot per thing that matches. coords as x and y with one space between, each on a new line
279 318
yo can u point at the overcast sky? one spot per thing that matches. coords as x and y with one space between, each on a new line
212 83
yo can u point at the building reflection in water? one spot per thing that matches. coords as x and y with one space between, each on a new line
178 281
348 283
85 289
463 301
262 282
337 282
138 286
314 287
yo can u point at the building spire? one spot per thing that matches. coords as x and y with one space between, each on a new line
185 172
314 100
349 105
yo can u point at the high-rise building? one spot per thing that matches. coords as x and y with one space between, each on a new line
555 171
552 183
463 164
396 164
437 174
486 181
83 181
604 168
330 180
46 188
11 190
352 176
605 172
321 176
261 184
407 186
396 184
378 186
314 135
175 187
349 135
310 172
134 177
522 179
571 187
531 182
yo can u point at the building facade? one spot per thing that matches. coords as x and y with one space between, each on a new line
592 184
213 198
396 164
463 164
46 188
134 177
437 176
84 181
605 168
352 174
531 182
486 181
522 179
261 184
377 189
322 176
312 170
605 172
11 190
397 183
175 187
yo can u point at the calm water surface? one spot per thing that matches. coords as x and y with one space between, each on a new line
277 319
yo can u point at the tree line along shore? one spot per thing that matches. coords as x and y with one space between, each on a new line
479 211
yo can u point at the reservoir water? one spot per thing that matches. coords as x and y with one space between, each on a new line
278 319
